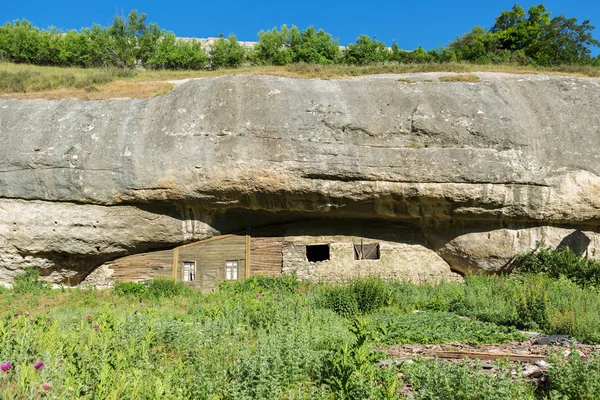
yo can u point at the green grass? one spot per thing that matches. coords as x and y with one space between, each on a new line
278 338
23 78
16 78
433 327
460 78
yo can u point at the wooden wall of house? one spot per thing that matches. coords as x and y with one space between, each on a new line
142 267
210 257
266 257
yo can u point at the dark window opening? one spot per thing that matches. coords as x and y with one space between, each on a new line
366 251
317 252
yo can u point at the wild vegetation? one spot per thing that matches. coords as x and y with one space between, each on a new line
517 37
281 338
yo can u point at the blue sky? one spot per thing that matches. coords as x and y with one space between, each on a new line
429 23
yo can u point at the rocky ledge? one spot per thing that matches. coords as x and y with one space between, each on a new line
481 170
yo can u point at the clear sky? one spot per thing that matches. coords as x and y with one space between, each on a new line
429 23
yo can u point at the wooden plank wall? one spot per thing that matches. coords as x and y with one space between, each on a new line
213 254
142 267
266 257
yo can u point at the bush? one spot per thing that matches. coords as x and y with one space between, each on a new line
226 53
272 48
463 381
340 299
172 53
560 262
312 46
286 283
365 51
371 294
434 327
160 288
154 289
573 377
28 282
130 289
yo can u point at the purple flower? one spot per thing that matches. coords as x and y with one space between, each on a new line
16 315
38 365
96 326
46 386
5 367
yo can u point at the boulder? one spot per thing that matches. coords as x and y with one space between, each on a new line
482 170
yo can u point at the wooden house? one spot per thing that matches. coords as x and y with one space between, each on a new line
228 257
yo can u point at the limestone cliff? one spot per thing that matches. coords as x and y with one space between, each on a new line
482 170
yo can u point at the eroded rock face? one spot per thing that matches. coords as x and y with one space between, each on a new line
470 166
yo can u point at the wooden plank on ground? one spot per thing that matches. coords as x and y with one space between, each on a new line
490 356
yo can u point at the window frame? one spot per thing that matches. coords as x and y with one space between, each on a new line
189 271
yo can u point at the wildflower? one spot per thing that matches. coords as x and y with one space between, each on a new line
32 319
48 319
257 294
16 315
5 367
38 365
96 326
46 386
26 313
89 318
13 330
61 361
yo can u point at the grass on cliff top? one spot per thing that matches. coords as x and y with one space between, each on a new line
23 81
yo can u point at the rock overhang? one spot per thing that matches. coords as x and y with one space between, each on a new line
508 150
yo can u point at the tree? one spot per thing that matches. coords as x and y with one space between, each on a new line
131 39
365 51
226 52
563 41
273 47
312 46
173 53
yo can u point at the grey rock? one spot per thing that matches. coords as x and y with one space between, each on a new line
482 170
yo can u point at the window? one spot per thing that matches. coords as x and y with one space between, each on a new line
231 270
189 271
366 251
317 252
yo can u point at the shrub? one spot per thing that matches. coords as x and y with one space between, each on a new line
286 283
226 53
159 288
365 51
560 262
130 289
155 289
463 381
340 299
434 327
272 48
28 282
312 46
178 54
573 377
371 294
